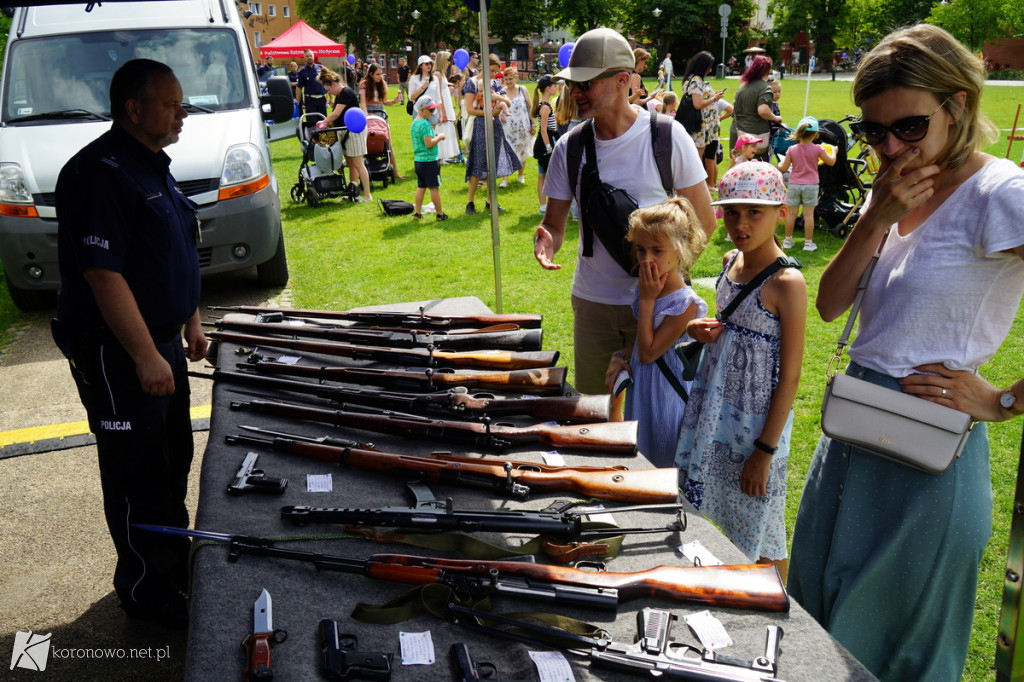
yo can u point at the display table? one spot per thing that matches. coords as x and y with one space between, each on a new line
223 592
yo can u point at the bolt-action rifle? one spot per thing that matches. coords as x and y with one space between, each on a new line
757 586
455 402
435 514
613 438
507 477
545 381
653 654
500 337
427 357
420 320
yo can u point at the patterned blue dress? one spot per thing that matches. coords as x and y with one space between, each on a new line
651 399
728 406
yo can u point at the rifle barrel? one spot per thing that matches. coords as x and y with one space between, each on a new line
394 318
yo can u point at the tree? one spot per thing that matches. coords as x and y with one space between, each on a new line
580 16
820 18
511 19
972 22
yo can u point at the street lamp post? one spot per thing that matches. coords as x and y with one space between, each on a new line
657 15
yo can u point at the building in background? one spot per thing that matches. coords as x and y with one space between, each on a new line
266 21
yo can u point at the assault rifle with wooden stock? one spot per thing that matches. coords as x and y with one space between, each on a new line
613 438
427 357
420 320
758 586
453 403
508 477
499 337
431 513
543 381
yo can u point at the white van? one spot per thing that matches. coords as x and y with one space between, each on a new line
54 99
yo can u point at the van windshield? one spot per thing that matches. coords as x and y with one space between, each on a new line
71 73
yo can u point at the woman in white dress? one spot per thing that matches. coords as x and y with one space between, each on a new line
448 148
519 127
423 81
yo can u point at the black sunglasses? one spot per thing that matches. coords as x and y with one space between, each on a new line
910 129
584 86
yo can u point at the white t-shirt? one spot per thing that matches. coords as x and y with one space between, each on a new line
627 162
947 292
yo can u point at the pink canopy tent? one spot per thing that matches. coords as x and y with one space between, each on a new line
298 38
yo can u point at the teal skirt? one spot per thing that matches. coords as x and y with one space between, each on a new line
886 557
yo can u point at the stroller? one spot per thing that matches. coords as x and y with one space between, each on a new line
322 172
841 190
378 150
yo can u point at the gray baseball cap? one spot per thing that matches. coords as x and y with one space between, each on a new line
595 52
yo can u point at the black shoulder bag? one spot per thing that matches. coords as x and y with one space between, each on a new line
690 353
687 114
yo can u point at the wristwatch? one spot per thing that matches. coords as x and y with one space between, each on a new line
1007 399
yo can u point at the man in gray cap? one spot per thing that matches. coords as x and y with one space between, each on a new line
597 79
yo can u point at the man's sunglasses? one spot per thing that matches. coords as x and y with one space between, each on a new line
584 86
910 129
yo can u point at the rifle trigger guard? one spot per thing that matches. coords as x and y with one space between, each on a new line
598 566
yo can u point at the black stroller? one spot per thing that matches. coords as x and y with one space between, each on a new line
841 190
322 172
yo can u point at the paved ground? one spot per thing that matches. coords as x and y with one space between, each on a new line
57 559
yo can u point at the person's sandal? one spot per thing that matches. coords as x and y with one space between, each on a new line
442 216
417 216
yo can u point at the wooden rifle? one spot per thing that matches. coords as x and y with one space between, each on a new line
419 320
499 337
612 438
508 477
757 586
541 381
428 357
454 403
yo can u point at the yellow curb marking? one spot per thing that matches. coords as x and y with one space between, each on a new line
37 433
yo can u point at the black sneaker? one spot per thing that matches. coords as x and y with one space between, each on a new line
470 208
488 205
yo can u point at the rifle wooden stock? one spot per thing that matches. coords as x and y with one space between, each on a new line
543 381
500 337
512 478
583 409
613 438
395 319
487 359
757 586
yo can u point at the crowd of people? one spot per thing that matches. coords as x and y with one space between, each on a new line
884 556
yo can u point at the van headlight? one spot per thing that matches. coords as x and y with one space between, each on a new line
242 163
13 189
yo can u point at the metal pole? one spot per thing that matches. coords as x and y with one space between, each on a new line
492 182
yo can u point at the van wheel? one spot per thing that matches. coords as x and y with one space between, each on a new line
274 273
30 300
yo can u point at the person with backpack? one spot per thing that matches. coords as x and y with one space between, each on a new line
597 79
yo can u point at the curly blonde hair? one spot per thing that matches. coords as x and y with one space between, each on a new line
673 221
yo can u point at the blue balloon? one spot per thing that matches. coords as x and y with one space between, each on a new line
564 53
355 120
460 58
351 59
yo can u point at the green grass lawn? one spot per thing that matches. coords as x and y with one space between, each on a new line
344 255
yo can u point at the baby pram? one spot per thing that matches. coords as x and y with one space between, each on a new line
322 171
841 192
378 150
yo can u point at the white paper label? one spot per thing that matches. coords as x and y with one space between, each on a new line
417 648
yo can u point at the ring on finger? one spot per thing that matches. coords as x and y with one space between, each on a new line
943 394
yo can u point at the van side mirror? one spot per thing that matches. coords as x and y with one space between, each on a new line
278 104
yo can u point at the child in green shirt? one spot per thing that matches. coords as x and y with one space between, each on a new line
424 147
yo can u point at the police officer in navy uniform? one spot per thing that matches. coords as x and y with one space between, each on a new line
130 287
314 97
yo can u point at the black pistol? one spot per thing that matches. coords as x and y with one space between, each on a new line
249 479
465 669
339 659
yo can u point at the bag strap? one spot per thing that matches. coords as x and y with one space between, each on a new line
661 144
862 286
778 264
672 379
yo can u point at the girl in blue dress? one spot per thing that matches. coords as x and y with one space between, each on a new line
734 441
666 238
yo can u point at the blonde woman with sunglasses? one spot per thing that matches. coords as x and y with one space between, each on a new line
885 556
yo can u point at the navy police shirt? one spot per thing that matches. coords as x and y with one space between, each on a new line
120 209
